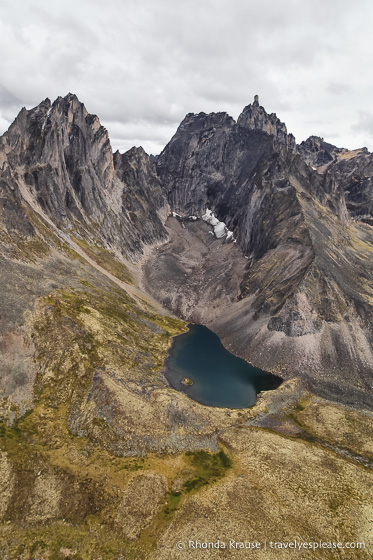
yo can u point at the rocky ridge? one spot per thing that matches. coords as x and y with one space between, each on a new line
59 158
305 290
352 169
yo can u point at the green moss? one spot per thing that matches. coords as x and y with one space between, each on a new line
173 501
105 259
131 464
209 467
299 407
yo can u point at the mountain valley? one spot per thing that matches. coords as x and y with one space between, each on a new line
104 258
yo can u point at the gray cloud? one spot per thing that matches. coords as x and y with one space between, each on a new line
142 65
339 88
364 124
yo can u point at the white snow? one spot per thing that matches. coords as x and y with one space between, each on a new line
206 217
220 229
46 118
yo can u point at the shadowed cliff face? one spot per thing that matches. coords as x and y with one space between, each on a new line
235 168
303 298
211 157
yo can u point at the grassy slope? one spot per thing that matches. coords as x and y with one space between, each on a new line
67 492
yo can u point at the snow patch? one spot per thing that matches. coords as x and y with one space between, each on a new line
220 229
46 118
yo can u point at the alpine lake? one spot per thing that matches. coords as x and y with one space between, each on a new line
200 366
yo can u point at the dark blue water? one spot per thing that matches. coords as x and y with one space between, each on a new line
219 378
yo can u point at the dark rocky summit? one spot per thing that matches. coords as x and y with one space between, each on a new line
305 296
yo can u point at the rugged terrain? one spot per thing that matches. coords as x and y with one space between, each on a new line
302 304
99 457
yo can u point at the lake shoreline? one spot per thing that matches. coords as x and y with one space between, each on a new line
217 377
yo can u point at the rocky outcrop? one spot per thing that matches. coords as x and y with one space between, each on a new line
142 198
351 170
316 152
354 173
216 163
304 274
255 117
58 158
211 157
62 154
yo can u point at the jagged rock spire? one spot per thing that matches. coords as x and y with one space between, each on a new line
255 117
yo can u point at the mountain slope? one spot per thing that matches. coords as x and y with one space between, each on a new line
305 295
297 282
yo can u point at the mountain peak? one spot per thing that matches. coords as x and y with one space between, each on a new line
255 117
71 97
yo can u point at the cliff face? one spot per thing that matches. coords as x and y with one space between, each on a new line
352 170
255 117
58 157
211 157
214 162
305 282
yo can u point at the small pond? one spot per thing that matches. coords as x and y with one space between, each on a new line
200 366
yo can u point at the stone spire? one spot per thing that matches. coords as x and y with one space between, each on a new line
255 117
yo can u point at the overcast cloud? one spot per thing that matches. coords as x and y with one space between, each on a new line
141 65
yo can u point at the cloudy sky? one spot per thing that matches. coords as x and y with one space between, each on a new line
141 65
